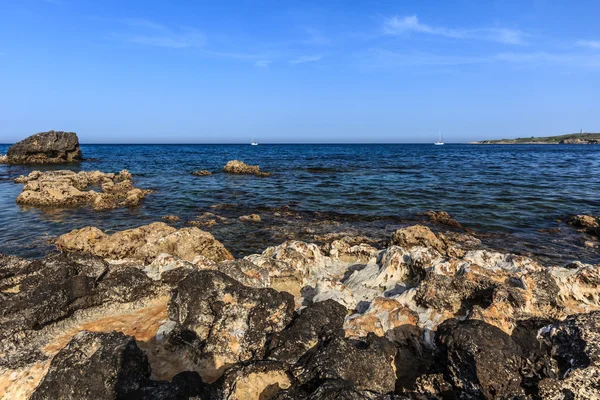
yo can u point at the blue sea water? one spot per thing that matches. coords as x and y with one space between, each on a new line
505 192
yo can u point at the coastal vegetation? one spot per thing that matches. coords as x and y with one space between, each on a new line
571 138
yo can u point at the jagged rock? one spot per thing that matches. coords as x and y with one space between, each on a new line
222 322
95 366
574 345
331 390
202 172
316 323
250 218
382 317
443 218
417 235
260 380
144 243
69 189
52 147
342 359
482 361
587 223
239 167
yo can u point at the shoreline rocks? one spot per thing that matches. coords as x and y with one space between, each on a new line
52 147
70 189
241 168
426 317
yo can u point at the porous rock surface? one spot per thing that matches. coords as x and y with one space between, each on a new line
70 189
429 317
145 243
239 167
52 147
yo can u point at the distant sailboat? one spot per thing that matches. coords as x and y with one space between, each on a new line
439 142
253 143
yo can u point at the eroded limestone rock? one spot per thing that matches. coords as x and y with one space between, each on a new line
239 167
52 147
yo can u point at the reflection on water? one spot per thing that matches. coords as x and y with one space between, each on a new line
511 191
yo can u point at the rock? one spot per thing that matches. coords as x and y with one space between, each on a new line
587 223
239 167
145 243
482 361
52 147
442 218
202 172
417 235
331 390
257 381
69 189
95 366
171 218
220 322
250 218
316 323
353 362
574 346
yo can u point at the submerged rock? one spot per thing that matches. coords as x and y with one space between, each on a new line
250 218
239 167
202 172
145 243
52 147
170 218
69 189
587 223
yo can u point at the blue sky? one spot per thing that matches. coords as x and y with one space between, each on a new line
298 71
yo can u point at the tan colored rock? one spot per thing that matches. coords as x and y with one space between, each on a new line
417 235
239 167
202 172
144 243
250 218
170 218
382 316
69 189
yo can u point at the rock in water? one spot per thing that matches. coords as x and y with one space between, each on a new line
52 147
239 167
202 172
145 243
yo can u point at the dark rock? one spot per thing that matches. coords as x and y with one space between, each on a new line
442 218
50 147
317 323
222 322
481 360
366 365
331 390
95 366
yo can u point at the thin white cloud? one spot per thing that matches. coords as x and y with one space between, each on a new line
150 33
263 63
411 24
305 59
592 44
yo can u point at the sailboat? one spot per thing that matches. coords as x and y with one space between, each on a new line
253 143
439 142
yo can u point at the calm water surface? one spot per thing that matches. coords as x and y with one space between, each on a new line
510 192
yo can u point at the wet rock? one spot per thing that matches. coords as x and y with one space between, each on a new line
171 218
587 223
250 218
222 322
316 324
69 189
239 167
574 346
202 172
482 361
52 147
144 243
95 366
442 218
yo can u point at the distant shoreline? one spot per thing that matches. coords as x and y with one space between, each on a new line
572 138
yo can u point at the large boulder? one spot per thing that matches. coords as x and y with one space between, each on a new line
52 147
145 243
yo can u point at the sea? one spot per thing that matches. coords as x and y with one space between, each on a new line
515 198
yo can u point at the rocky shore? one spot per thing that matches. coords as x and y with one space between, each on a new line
52 147
159 313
